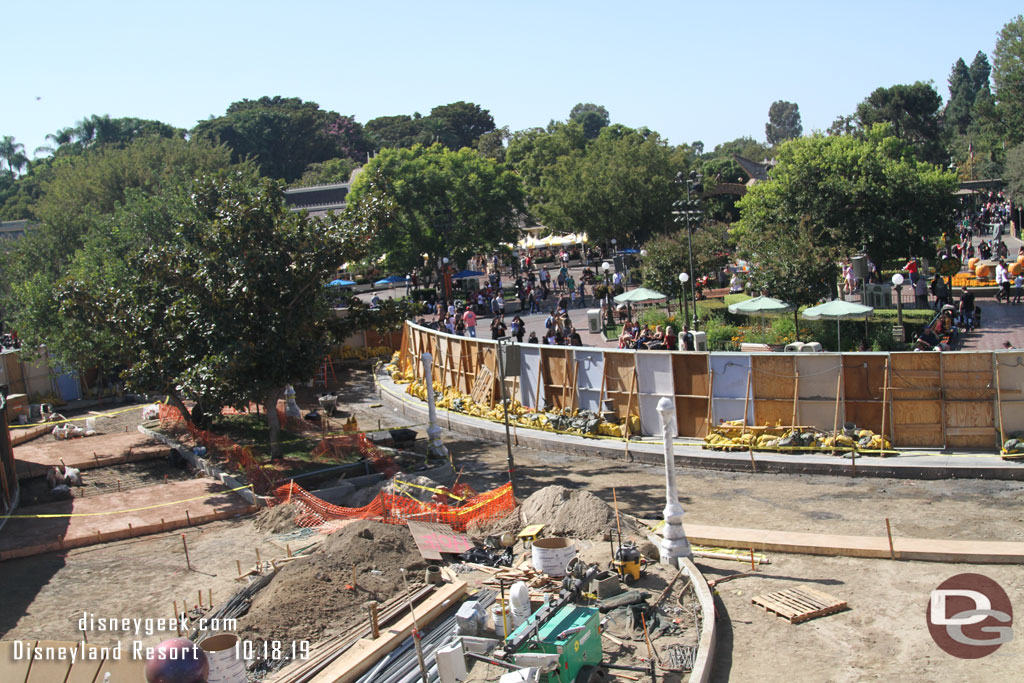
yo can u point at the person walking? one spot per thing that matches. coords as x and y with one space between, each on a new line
469 319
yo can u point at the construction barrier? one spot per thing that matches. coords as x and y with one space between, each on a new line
393 508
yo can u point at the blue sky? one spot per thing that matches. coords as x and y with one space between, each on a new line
692 71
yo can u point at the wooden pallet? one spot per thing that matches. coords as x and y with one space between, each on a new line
800 603
483 388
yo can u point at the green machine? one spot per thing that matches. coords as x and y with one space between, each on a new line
571 633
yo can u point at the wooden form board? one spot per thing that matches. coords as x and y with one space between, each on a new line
691 379
730 388
366 652
969 394
589 369
1009 366
917 417
556 369
619 373
654 381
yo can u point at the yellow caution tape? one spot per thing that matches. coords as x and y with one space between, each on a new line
119 512
76 419
428 488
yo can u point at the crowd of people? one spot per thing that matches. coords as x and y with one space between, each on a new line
637 336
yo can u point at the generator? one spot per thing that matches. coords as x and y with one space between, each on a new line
572 634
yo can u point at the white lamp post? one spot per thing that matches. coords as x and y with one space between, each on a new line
897 282
672 543
609 317
683 279
434 445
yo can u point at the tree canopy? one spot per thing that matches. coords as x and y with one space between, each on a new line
783 122
424 203
284 135
592 117
1008 77
853 193
913 113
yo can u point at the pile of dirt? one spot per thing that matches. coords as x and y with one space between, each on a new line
278 519
577 513
308 599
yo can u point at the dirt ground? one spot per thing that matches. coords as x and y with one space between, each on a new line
882 635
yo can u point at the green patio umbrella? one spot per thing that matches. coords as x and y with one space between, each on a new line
639 295
763 306
837 310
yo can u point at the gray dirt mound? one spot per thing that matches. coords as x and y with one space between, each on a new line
278 519
365 496
307 600
565 512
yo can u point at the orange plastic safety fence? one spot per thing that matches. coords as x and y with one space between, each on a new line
398 509
239 457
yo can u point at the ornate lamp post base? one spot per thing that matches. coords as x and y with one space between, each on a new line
670 538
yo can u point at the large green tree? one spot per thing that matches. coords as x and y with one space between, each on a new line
435 202
793 263
854 193
394 131
913 113
460 124
593 117
957 114
229 305
620 185
783 122
1008 77
284 135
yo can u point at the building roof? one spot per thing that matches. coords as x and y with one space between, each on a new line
317 199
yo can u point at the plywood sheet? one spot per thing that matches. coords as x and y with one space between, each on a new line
556 369
692 417
1010 366
820 414
863 376
819 375
529 376
654 381
11 668
915 376
917 423
730 378
619 376
590 366
48 670
724 409
773 376
971 424
772 412
968 376
867 415
690 372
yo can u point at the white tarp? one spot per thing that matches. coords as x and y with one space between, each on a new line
590 365
654 380
529 376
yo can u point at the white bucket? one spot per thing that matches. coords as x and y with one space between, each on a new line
90 424
511 619
550 555
225 664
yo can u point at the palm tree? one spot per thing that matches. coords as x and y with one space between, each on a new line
13 154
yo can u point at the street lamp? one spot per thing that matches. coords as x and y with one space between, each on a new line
897 282
683 278
447 281
606 268
686 212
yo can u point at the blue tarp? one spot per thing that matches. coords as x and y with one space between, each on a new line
340 283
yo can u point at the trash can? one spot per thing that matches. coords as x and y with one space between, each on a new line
594 320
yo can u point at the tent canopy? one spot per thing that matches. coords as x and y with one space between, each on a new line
390 280
837 309
466 273
340 283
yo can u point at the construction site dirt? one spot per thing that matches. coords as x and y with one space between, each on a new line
884 632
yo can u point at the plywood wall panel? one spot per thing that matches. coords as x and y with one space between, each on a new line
690 373
773 376
863 376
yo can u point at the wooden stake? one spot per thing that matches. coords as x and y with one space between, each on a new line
354 584
238 563
796 397
258 560
999 405
615 500
188 518
888 531
753 567
835 420
288 549
711 384
200 598
746 403
209 597
629 408
374 627
184 544
885 402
